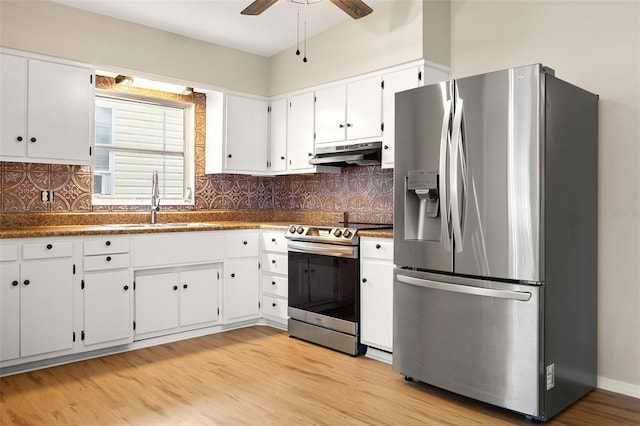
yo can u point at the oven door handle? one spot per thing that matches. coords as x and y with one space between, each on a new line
323 249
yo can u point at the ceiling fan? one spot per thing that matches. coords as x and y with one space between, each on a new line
354 8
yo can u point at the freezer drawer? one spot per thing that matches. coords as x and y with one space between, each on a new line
480 340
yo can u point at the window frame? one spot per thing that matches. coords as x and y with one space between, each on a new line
189 151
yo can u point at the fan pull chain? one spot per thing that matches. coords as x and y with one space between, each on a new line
298 32
304 59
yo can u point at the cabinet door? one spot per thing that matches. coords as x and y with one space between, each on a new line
376 311
60 104
9 311
247 124
156 302
199 296
393 83
107 306
300 131
46 307
13 106
278 136
330 114
364 108
242 289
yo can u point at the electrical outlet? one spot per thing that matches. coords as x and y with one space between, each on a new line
46 196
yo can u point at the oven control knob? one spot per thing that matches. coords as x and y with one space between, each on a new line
292 229
337 232
300 230
347 233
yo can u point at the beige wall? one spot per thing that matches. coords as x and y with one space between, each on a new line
391 35
436 30
595 45
52 29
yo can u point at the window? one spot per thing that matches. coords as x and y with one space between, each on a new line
134 137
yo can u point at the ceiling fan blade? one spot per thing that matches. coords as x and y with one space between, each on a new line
354 8
257 7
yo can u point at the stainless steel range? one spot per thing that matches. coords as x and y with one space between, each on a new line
324 290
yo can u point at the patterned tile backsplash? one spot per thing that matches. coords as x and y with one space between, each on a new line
365 192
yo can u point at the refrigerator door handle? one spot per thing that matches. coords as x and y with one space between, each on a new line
445 143
457 152
521 296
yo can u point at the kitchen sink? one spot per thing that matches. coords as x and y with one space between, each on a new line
156 225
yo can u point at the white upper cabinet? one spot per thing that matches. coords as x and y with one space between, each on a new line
247 127
46 110
278 136
398 81
351 111
395 82
300 132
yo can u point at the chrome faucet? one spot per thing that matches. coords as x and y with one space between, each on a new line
155 196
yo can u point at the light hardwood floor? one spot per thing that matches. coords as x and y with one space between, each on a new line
257 375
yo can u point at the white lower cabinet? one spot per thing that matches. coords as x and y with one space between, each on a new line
171 301
107 291
274 278
36 298
376 293
107 307
242 290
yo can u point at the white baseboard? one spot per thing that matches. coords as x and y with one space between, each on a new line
618 387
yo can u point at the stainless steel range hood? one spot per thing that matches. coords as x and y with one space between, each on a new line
359 154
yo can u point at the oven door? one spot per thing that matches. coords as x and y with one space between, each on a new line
323 285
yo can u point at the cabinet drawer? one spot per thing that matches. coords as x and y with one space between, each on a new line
242 244
275 263
274 307
111 261
274 241
275 285
377 248
106 245
47 250
8 252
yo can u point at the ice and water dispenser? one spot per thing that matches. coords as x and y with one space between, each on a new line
422 206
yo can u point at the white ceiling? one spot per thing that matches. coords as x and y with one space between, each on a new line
220 22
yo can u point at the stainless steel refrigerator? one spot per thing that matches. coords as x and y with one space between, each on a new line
495 234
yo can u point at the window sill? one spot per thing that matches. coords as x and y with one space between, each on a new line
98 201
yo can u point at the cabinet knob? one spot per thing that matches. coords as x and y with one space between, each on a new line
19 138
273 240
364 280
244 242
378 246
49 246
349 125
26 282
126 287
233 275
185 285
386 147
273 261
341 126
229 156
282 157
273 304
272 282
33 139
108 243
15 283
108 258
175 287
309 155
